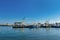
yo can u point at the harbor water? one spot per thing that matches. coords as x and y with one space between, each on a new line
9 33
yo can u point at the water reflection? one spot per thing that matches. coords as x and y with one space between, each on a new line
36 29
42 31
7 33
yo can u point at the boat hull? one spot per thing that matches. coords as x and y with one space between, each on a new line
30 26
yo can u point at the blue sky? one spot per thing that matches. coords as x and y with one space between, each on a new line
37 10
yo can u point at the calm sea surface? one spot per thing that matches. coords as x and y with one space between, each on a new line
9 33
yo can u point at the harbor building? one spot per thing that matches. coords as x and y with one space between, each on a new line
57 24
38 24
46 23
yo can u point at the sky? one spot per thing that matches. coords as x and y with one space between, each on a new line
36 10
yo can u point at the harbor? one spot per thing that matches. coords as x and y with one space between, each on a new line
32 25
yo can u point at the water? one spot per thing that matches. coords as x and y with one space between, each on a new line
9 33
